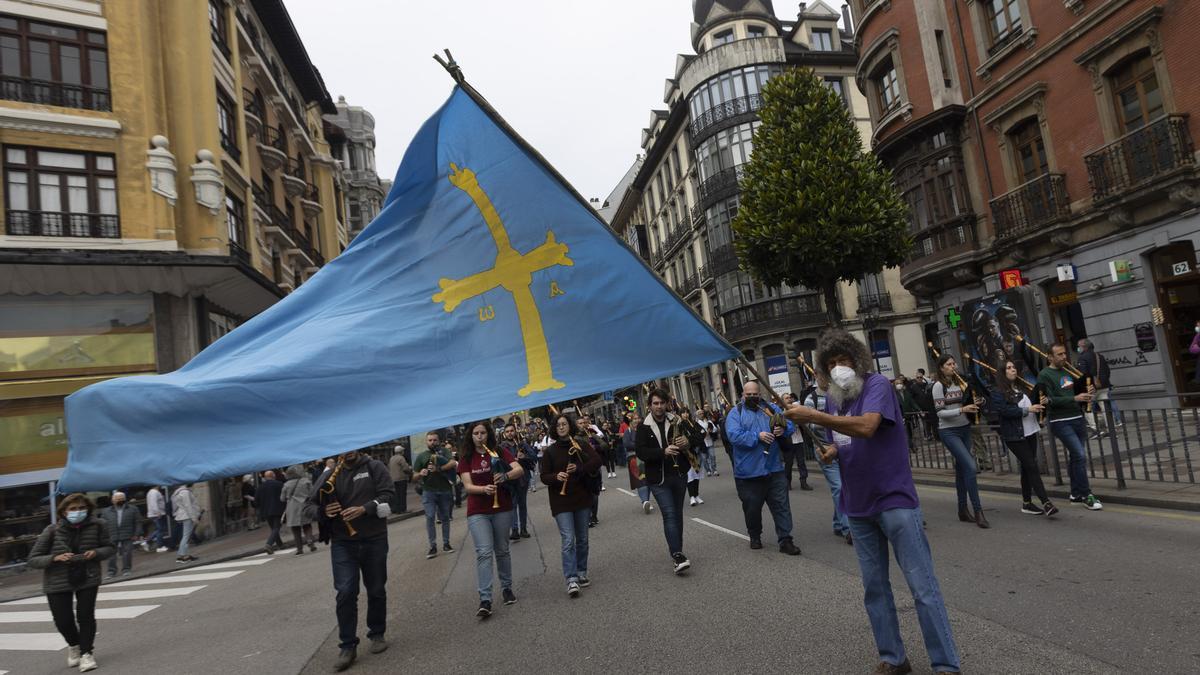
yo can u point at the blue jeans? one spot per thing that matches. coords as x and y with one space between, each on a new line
669 496
490 533
644 493
368 557
161 532
437 505
520 495
1072 434
709 459
186 537
833 477
903 530
573 528
958 441
772 489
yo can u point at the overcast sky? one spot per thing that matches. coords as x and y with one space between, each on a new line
577 79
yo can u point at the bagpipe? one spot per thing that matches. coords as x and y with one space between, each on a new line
498 466
329 488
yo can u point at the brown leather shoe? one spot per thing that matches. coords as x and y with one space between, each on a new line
885 668
964 514
981 520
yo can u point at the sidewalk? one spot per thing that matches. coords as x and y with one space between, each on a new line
230 547
1181 496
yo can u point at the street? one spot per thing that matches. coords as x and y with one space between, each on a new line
1071 595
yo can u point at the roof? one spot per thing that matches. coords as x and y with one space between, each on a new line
706 11
278 24
609 209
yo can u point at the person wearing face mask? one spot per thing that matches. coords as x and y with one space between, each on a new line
70 551
758 466
354 500
124 522
866 434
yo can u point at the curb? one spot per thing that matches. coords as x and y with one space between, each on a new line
1114 497
212 561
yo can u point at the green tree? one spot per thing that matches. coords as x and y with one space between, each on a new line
815 208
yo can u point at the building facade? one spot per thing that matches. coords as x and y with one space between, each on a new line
1047 144
166 178
365 192
679 207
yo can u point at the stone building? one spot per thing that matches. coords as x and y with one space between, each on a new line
356 151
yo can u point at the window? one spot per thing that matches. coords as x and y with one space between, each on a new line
1003 21
1030 150
54 193
887 87
753 31
675 163
943 60
822 40
727 149
235 218
1136 94
723 37
227 125
930 176
836 84
739 87
218 26
53 65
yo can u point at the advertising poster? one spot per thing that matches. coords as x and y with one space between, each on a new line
989 335
777 374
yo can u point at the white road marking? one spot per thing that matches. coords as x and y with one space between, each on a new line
722 529
631 494
33 642
105 613
173 579
248 562
123 595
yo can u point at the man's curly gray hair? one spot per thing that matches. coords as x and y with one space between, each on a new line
835 342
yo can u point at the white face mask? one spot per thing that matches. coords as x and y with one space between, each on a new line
842 376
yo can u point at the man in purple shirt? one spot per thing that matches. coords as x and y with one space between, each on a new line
867 437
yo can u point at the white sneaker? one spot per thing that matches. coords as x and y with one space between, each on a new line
573 589
87 662
1092 503
602 488
693 501
647 507
699 499
161 549
72 656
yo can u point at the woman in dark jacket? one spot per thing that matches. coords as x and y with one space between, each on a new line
70 551
1019 428
565 464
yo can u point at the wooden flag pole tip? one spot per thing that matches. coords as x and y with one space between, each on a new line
451 66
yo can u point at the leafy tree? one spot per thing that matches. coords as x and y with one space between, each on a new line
815 209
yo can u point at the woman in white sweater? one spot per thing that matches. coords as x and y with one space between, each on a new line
954 428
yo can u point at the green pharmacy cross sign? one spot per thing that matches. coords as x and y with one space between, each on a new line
953 318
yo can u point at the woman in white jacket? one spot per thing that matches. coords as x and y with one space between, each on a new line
187 513
296 492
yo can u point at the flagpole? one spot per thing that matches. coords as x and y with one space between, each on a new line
460 79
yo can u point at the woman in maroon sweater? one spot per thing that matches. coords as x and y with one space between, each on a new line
564 465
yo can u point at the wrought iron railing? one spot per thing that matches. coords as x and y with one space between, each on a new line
773 315
689 284
229 145
1139 157
273 137
881 302
723 260
250 104
238 253
295 168
261 198
719 182
58 224
733 108
1036 204
935 240
29 90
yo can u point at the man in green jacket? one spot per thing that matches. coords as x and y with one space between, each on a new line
435 471
1066 422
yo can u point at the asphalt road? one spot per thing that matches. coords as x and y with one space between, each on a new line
1085 592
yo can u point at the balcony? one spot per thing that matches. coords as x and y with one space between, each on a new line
29 90
56 224
689 285
229 145
697 216
254 115
1140 157
722 261
1041 202
774 316
681 233
874 302
294 179
310 201
281 227
238 253
720 185
706 275
272 148
733 111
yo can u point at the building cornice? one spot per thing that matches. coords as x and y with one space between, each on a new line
42 121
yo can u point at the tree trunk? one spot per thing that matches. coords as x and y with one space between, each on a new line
833 309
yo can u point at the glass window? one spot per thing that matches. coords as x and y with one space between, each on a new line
235 218
1003 20
1136 93
75 194
53 65
887 87
753 31
723 37
822 40
1030 150
836 84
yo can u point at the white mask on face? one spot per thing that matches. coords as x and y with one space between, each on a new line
842 376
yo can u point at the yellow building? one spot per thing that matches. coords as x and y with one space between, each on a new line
167 176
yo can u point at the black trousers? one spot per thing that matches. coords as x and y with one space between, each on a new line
1031 479
694 488
65 617
400 501
275 523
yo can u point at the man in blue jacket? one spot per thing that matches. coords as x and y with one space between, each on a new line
758 467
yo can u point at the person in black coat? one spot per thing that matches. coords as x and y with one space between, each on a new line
269 496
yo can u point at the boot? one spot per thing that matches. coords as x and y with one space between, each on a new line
981 520
964 514
804 484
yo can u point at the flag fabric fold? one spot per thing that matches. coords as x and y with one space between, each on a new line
485 285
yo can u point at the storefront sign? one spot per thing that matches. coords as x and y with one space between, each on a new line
1062 293
32 435
777 374
1010 279
1066 272
1120 270
1146 340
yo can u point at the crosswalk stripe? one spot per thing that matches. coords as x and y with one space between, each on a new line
172 579
33 642
248 562
104 613
121 595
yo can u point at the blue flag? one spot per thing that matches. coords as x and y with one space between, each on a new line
485 285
